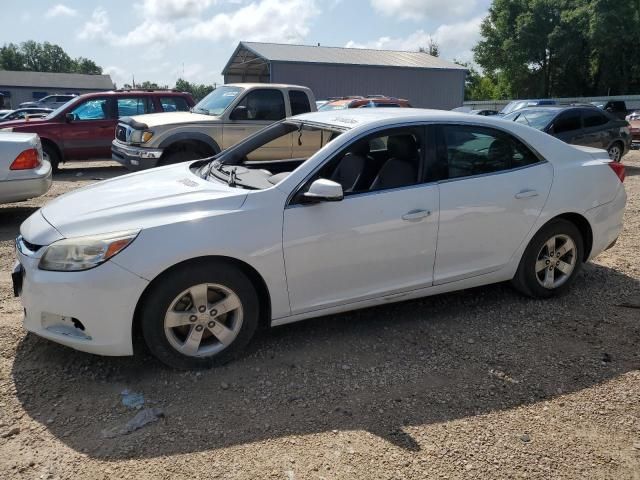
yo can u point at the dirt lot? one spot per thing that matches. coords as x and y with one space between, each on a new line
478 384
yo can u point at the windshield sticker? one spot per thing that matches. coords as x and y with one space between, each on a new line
344 120
230 94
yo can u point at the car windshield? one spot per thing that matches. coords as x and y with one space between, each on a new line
513 106
218 100
252 163
534 118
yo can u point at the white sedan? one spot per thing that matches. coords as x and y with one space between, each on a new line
391 204
23 172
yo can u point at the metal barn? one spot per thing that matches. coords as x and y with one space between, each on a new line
424 80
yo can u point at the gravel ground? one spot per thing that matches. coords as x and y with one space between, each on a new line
477 384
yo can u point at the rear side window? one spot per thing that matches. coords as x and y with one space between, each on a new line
174 104
299 102
567 122
465 151
130 106
594 119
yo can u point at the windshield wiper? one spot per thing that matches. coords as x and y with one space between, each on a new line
232 178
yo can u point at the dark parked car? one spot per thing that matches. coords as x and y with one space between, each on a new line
484 113
21 113
586 126
85 127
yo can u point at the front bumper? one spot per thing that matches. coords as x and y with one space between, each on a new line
26 184
91 311
133 157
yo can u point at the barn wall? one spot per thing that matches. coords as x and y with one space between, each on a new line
426 88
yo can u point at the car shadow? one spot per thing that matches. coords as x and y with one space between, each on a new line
631 170
89 171
381 370
11 218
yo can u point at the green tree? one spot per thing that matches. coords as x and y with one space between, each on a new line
432 48
197 91
44 57
542 48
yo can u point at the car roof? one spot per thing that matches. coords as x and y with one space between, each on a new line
357 117
263 85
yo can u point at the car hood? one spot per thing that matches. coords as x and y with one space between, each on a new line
169 118
141 200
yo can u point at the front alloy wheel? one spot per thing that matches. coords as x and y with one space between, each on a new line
199 315
203 320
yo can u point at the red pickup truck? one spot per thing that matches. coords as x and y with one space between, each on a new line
84 127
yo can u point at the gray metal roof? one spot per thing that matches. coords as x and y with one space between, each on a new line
10 78
278 52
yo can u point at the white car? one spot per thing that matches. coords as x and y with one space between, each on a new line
23 172
394 204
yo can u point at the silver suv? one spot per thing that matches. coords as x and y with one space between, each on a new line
227 115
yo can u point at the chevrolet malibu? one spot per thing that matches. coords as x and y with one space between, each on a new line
386 205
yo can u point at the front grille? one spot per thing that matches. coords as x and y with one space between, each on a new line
121 133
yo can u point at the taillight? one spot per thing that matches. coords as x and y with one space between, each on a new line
618 169
26 160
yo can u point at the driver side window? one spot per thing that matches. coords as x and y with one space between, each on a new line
265 105
385 160
96 109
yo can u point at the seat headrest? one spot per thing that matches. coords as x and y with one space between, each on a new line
360 148
500 151
402 147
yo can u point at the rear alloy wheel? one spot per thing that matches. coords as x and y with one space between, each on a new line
551 261
615 152
200 316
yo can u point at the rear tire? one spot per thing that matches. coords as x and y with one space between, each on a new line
181 318
551 261
615 151
52 156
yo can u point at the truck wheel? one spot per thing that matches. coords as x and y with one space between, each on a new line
180 156
51 155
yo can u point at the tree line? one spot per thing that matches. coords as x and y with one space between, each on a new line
557 48
44 57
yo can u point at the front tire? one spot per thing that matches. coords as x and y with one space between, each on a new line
551 261
200 316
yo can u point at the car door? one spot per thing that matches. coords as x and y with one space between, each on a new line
596 133
492 190
379 239
88 134
257 109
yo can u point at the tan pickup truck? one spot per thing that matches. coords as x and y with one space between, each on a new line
227 115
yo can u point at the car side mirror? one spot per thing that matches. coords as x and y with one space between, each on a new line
70 117
239 113
323 190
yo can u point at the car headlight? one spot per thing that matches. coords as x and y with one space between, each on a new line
84 253
6 129
141 136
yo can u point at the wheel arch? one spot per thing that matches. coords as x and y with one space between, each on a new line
52 143
195 140
214 260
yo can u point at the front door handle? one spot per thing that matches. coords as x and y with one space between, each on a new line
526 194
416 215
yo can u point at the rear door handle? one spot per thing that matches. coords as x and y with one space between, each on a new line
526 194
416 215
